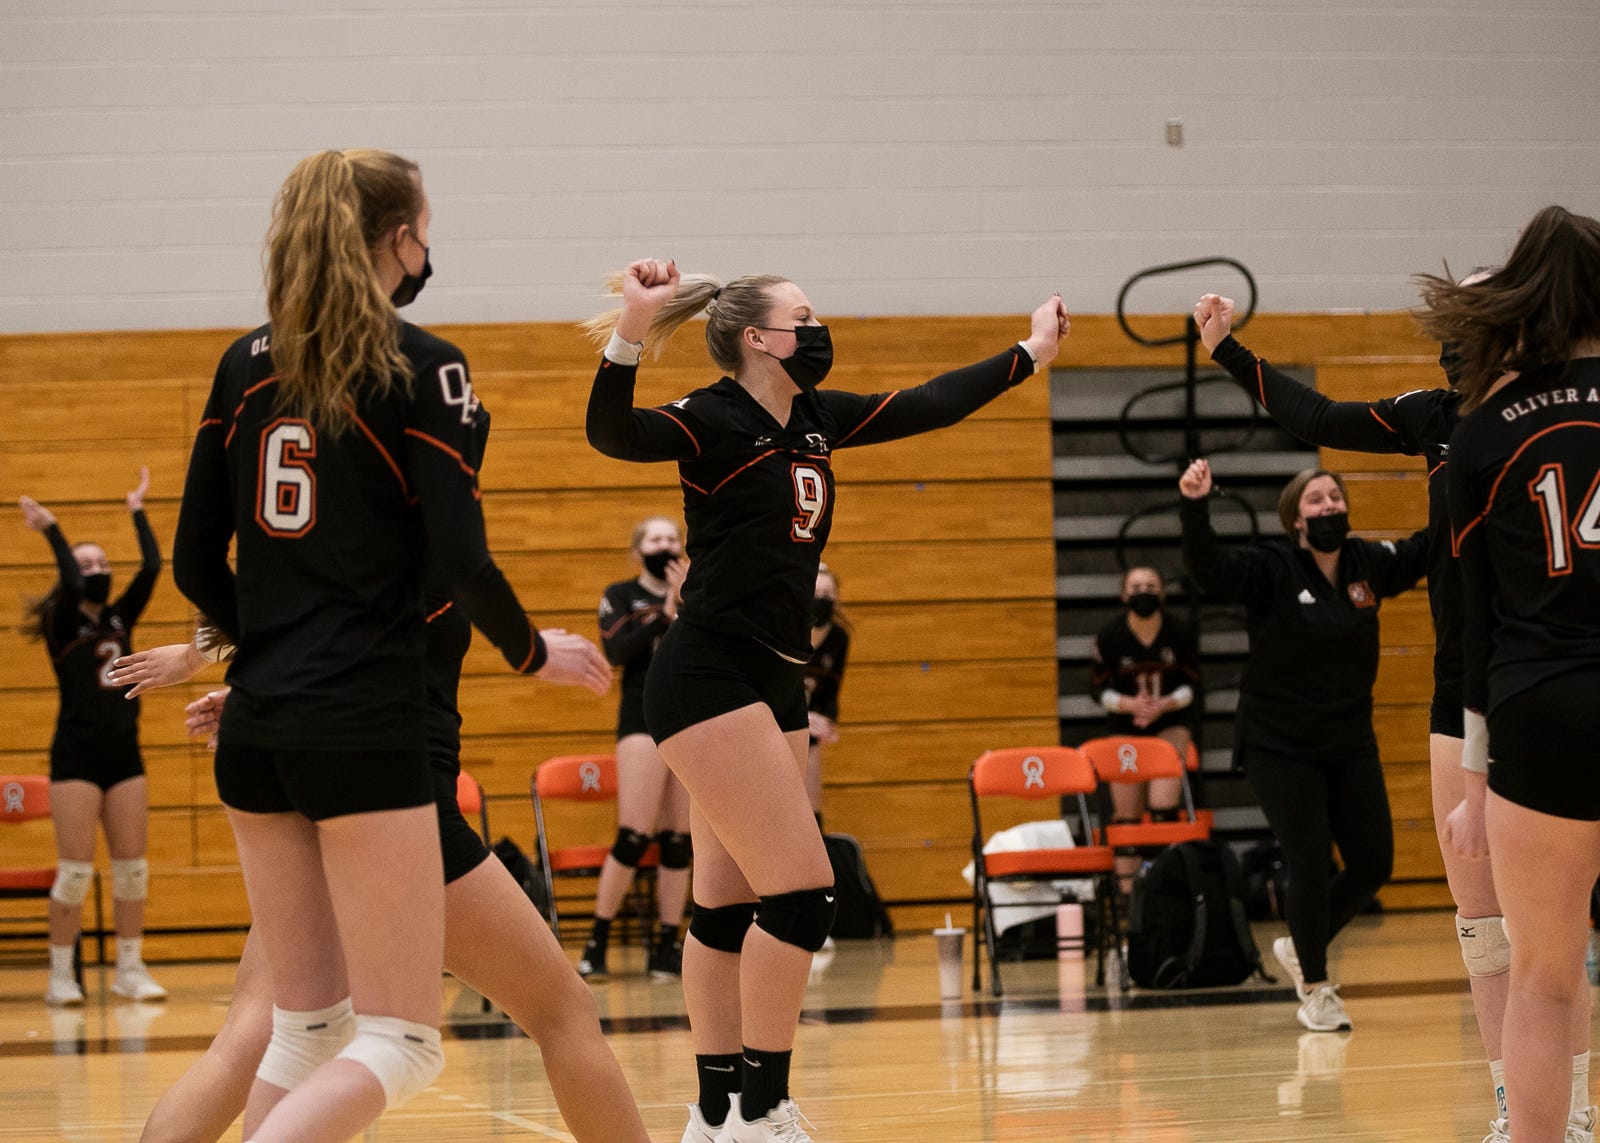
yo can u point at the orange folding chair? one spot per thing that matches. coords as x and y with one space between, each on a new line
469 796
578 778
1134 759
25 798
1037 774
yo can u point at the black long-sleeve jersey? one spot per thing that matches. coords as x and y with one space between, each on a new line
825 672
757 495
93 711
1525 501
1313 644
1418 423
631 624
1120 662
333 533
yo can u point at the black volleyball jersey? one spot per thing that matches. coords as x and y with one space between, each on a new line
1525 502
1120 662
1418 423
631 624
757 495
1313 644
332 536
825 672
93 709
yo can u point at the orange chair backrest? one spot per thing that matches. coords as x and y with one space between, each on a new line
1032 772
1133 758
469 795
578 777
24 797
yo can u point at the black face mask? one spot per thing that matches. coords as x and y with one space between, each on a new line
1144 604
656 562
821 611
411 285
1450 362
812 356
1327 533
97 587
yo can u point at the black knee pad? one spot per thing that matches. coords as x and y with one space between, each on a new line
630 846
722 928
802 919
676 849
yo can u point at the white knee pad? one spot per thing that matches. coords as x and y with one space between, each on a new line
1485 945
72 882
304 1041
404 1056
130 879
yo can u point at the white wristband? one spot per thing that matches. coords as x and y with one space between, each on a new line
1475 748
1022 345
622 352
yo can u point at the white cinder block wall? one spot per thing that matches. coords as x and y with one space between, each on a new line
893 156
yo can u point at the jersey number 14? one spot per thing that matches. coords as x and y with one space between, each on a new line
1549 489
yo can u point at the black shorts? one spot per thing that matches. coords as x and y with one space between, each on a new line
104 764
630 714
698 674
1444 716
320 784
463 850
1543 743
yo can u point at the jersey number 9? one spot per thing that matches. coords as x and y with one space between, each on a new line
811 499
286 485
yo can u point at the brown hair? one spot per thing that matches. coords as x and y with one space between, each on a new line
730 309
36 609
1289 498
334 333
1529 312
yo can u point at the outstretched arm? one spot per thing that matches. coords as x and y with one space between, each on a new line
132 601
1226 573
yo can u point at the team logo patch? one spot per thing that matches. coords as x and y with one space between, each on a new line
1033 772
1361 595
13 798
1128 758
589 778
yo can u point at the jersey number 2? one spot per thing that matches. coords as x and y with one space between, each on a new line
286 485
1550 489
810 499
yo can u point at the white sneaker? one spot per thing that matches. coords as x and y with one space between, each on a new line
699 1131
780 1125
1323 1011
1283 949
1582 1130
136 983
63 993
1499 1131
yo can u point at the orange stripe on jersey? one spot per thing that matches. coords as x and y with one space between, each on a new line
1436 468
209 421
1494 489
740 469
440 612
533 648
383 452
259 385
1013 371
682 426
868 417
1380 420
693 485
644 614
1261 385
444 448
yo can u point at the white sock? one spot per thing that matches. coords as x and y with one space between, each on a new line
1580 1086
1497 1072
61 961
130 952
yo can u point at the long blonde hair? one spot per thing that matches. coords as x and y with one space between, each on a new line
730 309
334 333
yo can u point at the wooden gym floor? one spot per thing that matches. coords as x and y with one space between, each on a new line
878 1056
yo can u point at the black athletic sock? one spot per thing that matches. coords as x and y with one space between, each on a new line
766 1082
719 1082
601 934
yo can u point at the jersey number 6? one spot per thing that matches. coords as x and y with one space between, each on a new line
811 500
286 486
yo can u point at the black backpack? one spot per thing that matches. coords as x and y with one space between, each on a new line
861 912
525 873
1186 921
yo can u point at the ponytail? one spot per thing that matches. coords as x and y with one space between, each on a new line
730 309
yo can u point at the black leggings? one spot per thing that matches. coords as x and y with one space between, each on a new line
1314 801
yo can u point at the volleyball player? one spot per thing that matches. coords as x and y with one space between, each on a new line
634 614
725 697
332 449
830 651
1305 738
96 771
1143 667
1524 490
1417 423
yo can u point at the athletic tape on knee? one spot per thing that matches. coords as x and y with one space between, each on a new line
403 1055
676 849
724 927
803 918
304 1041
1485 947
630 846
130 879
72 882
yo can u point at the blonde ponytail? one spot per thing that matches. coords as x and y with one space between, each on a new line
730 309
